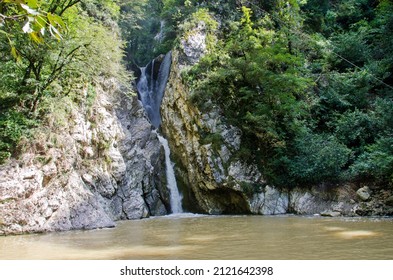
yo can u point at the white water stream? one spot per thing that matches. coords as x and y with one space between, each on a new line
175 197
151 88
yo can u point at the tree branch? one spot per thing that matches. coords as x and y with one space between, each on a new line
57 69
69 5
62 6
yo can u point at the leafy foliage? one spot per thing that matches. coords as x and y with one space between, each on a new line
257 82
85 47
309 83
319 158
313 107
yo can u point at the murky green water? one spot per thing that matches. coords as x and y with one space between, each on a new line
214 237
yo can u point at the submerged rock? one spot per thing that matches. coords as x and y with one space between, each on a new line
330 214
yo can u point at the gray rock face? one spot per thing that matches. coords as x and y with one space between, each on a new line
269 202
105 165
212 178
28 205
194 45
389 201
209 179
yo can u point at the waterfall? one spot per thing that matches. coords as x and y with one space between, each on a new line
151 88
175 196
160 35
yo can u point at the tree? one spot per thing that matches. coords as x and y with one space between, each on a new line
256 81
89 48
37 17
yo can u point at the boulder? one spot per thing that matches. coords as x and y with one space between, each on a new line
363 193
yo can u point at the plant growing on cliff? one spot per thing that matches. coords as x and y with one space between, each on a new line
201 19
258 84
310 106
89 48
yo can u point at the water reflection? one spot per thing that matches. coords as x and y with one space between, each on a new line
214 237
357 234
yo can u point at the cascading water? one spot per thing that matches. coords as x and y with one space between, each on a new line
151 88
175 197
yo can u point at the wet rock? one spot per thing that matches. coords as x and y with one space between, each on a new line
363 211
330 214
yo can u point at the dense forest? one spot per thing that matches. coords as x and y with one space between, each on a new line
309 83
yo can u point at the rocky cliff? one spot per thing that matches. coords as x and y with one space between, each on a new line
212 178
103 164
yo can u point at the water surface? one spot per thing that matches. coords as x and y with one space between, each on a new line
187 236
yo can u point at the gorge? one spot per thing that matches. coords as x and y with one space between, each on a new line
223 123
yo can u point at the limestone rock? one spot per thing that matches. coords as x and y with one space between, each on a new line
270 202
210 179
364 193
194 45
95 175
244 172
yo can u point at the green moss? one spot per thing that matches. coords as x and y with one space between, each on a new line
215 139
91 96
244 153
249 189
13 126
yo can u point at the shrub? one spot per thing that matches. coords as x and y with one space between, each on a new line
319 158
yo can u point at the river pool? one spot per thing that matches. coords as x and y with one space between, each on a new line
188 236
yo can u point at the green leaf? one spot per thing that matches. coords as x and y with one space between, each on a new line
55 20
14 1
35 36
29 10
41 21
32 3
15 54
3 32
